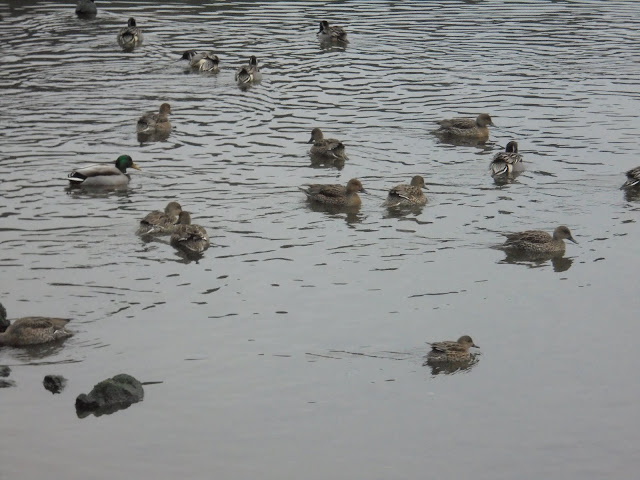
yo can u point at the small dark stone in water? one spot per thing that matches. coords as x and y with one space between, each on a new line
6 383
4 371
54 383
110 396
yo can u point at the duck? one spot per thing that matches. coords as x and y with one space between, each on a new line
466 128
407 195
103 175
633 178
204 62
451 351
538 241
506 162
333 34
326 148
130 36
192 239
249 73
152 123
335 195
158 222
86 8
33 331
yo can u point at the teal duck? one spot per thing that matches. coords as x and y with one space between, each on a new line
633 178
450 351
466 128
192 239
331 34
34 330
407 195
103 175
328 148
506 162
335 195
152 123
538 242
158 222
130 36
249 73
203 62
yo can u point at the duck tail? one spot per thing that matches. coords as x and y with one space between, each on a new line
76 178
499 168
632 182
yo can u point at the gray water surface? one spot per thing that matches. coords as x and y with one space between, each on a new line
293 348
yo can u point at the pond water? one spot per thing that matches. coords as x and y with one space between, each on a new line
293 348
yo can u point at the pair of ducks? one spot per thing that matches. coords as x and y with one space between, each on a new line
186 236
31 330
209 62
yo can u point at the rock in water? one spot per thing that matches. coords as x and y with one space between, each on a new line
54 383
110 396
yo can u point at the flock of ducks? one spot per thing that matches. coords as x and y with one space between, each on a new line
193 239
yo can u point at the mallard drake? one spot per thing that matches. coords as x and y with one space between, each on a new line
336 195
333 34
537 241
249 73
329 148
407 195
450 351
104 175
158 222
34 330
466 128
506 162
130 36
190 238
86 8
633 178
152 123
204 62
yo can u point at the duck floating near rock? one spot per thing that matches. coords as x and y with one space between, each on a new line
331 34
130 36
34 331
104 175
407 195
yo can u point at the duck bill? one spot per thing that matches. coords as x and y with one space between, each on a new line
136 167
364 191
475 346
573 240
310 141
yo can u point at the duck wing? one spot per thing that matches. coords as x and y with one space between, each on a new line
460 123
529 236
81 174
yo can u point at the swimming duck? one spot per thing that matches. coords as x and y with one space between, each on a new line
249 73
538 242
633 178
504 163
450 351
34 330
329 148
86 8
191 238
130 36
466 128
104 175
407 195
158 222
333 34
336 195
204 62
152 123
